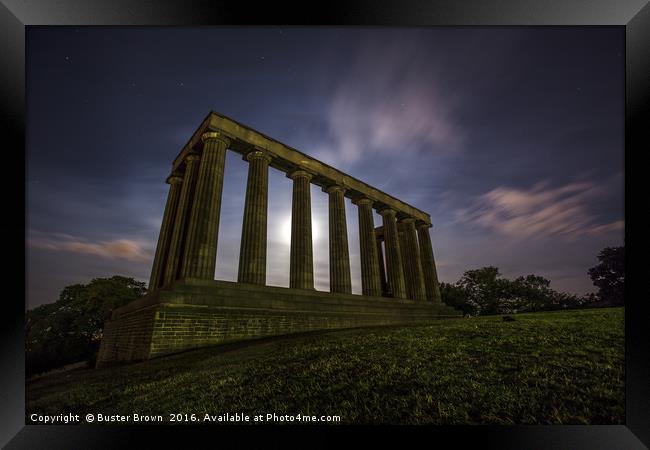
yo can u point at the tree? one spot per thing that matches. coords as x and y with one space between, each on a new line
564 300
70 329
484 290
609 275
531 293
455 297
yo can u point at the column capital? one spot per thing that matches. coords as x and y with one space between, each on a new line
174 178
362 200
385 211
215 135
258 154
193 156
334 188
298 173
419 224
407 220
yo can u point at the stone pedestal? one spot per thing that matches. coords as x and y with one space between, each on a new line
199 313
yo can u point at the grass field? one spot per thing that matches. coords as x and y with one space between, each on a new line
543 368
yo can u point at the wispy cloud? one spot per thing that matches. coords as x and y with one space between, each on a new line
538 212
398 107
113 249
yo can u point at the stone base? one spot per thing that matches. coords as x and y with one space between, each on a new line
198 313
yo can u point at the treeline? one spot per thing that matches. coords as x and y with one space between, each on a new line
484 291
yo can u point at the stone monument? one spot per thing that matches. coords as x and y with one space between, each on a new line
186 308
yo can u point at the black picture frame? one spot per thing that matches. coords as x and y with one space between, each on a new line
15 15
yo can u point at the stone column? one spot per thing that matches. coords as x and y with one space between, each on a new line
393 258
252 253
412 264
200 253
340 279
408 284
382 269
178 240
301 273
370 281
429 272
164 238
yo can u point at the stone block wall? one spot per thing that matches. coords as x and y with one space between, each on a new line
129 337
192 315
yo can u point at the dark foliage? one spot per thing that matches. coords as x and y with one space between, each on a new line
70 329
609 275
484 292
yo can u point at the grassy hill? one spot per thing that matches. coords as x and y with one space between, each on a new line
544 368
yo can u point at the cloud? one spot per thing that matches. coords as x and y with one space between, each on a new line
390 101
539 212
112 249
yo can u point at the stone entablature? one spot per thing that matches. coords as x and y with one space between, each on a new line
285 158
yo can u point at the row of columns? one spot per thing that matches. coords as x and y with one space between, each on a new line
416 259
187 245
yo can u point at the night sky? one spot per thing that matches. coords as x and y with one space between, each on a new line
511 138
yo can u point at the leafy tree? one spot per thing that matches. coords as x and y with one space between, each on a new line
564 300
484 289
588 299
609 275
530 293
454 296
70 329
